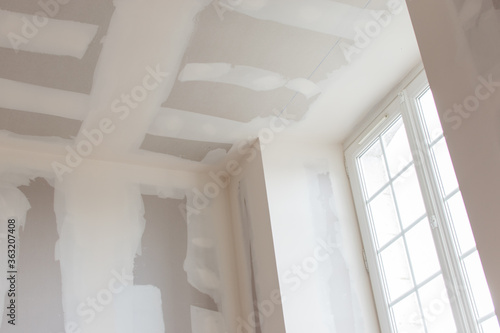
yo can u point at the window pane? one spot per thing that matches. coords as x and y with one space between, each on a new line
431 118
397 148
423 255
478 284
374 170
384 217
408 197
491 325
446 172
407 316
460 223
436 307
396 269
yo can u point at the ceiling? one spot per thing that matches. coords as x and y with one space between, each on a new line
232 66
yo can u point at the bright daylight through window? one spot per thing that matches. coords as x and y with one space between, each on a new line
425 270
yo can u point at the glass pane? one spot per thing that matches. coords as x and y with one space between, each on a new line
384 217
445 167
407 315
408 197
478 284
431 118
491 325
423 255
396 269
436 307
460 222
397 148
373 168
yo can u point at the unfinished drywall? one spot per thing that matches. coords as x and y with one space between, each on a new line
99 211
14 207
164 247
46 68
255 46
22 32
459 45
211 263
354 79
38 99
100 225
128 91
206 321
262 310
324 285
186 149
100 177
316 15
38 278
27 123
249 77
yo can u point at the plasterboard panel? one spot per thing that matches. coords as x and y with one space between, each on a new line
164 246
234 103
39 296
36 124
191 150
240 39
61 72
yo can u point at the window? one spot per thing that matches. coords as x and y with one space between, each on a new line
425 270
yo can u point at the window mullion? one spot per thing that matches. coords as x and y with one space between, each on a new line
462 309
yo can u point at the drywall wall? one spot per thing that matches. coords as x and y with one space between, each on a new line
210 261
100 220
39 279
164 247
459 44
324 285
258 278
102 230
127 262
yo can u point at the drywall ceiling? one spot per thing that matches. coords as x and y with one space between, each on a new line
233 66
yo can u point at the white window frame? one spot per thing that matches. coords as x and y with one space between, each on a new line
403 104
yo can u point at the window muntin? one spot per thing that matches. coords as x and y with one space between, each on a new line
415 226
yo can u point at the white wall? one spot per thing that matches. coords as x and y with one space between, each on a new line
460 49
259 287
324 285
